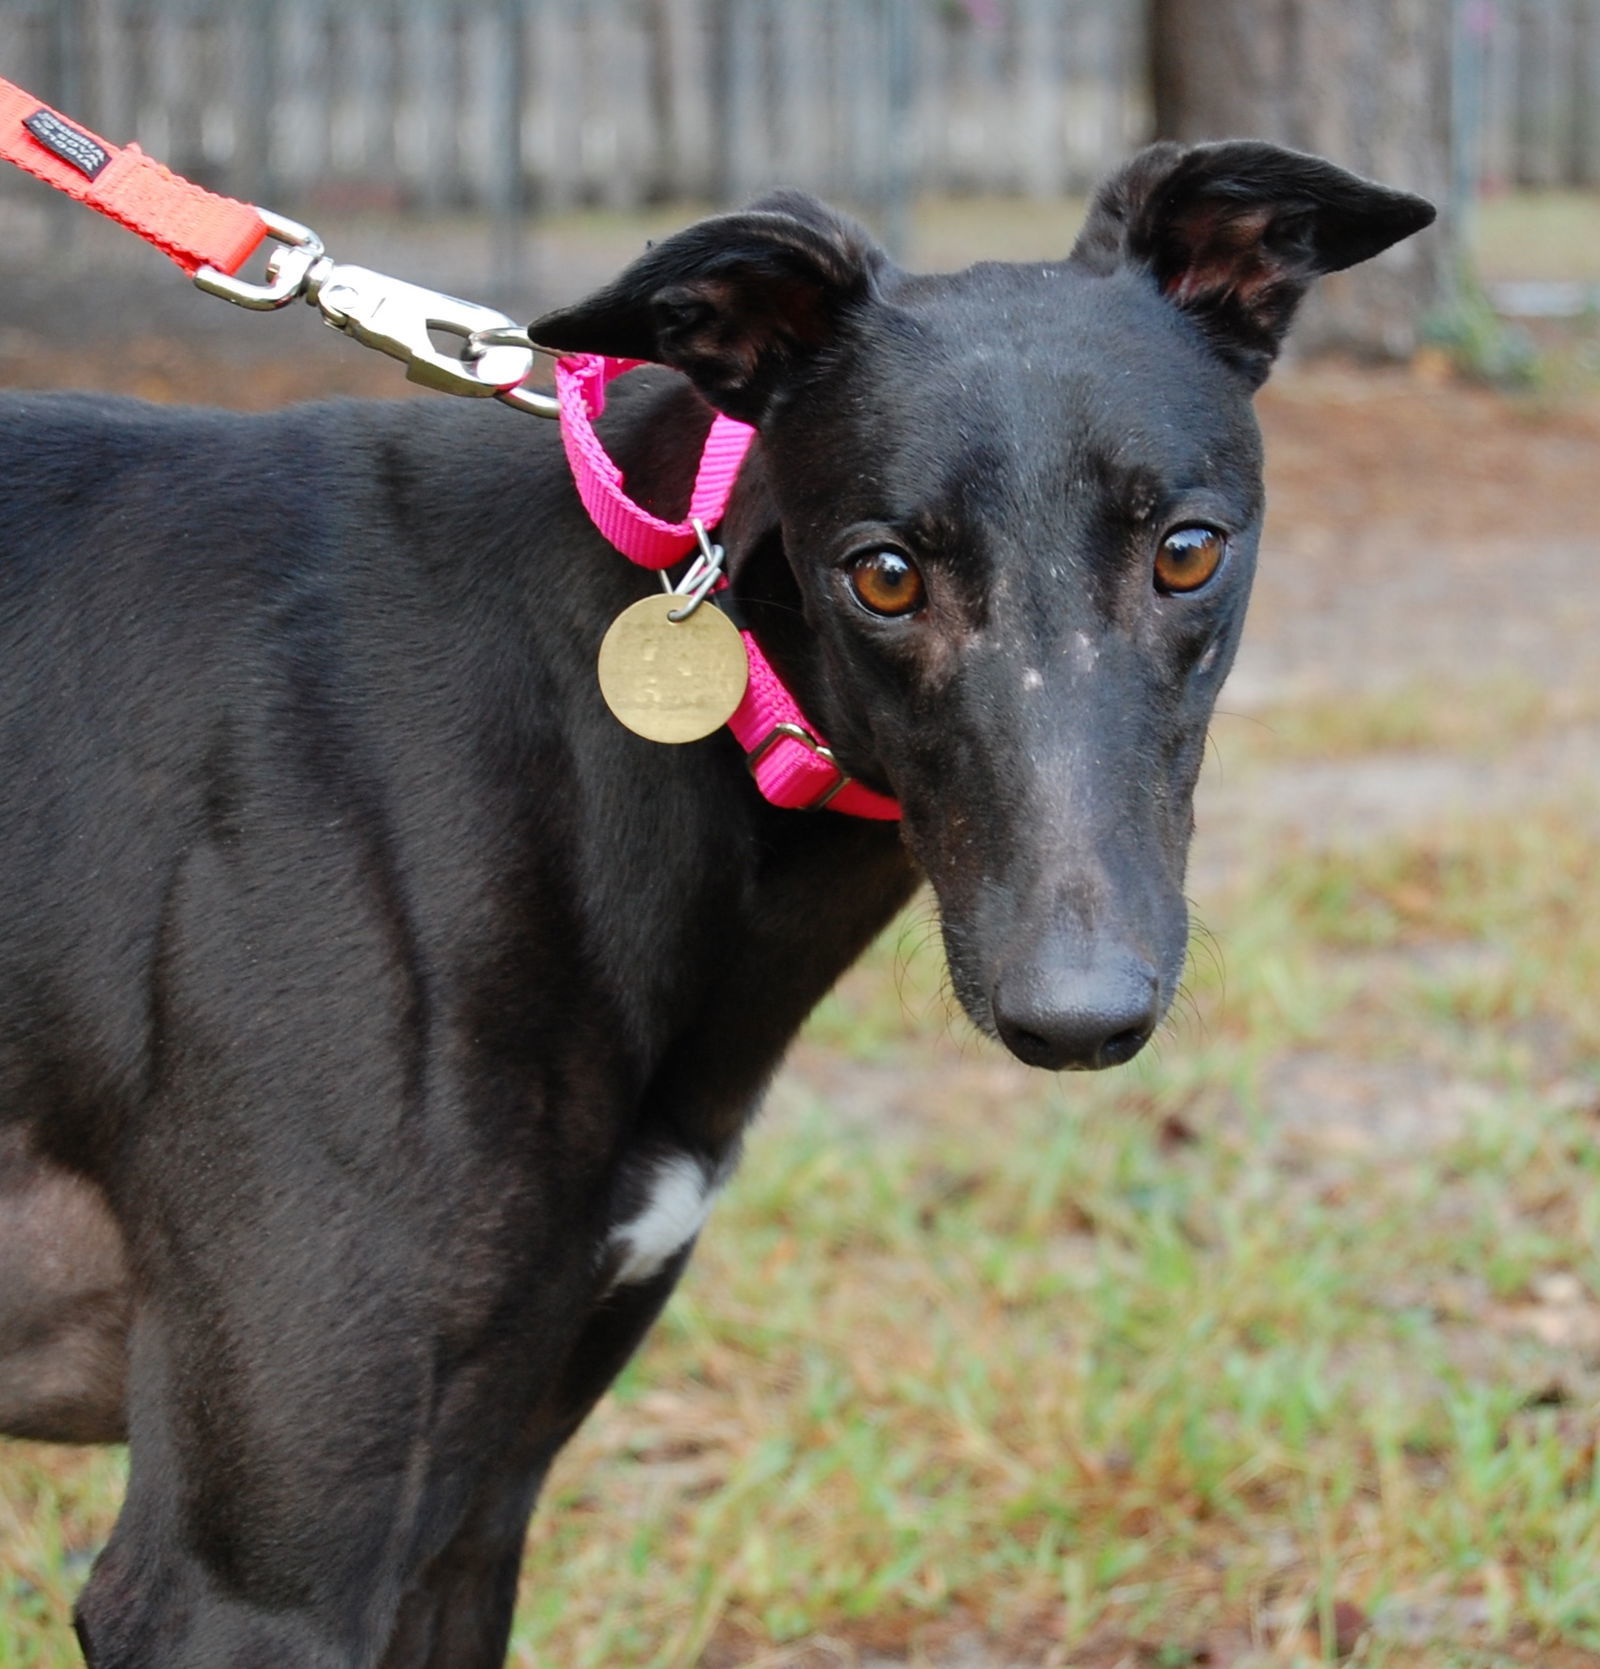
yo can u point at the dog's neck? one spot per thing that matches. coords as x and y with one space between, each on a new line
659 447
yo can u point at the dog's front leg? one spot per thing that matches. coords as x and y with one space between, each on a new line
327 1467
457 1614
350 1304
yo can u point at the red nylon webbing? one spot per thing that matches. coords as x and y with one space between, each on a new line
195 227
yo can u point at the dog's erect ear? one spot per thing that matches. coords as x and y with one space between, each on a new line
1234 233
739 303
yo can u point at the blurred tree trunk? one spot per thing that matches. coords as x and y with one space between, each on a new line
1365 83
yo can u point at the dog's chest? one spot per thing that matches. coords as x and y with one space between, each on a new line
663 1203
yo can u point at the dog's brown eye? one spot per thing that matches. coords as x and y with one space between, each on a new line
1188 557
886 582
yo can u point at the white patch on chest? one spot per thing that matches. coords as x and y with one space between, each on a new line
675 1210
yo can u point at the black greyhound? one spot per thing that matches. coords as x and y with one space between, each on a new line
377 1016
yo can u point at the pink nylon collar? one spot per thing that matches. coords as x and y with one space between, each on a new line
791 763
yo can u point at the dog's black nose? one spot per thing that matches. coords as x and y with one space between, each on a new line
1072 1018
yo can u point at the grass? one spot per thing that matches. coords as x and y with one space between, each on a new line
1539 234
1517 235
1117 1366
1114 1361
56 1509
1481 718
1121 1369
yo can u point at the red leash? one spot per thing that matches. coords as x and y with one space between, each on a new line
195 227
211 237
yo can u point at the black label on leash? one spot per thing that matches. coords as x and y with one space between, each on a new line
67 142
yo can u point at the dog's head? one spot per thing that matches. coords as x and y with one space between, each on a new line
999 534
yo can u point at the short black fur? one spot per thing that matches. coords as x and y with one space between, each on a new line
363 983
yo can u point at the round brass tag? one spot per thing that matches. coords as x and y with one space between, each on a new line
672 680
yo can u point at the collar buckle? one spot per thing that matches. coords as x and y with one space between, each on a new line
786 732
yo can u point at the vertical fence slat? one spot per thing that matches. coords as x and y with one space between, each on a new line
628 96
991 157
687 99
1536 149
865 108
16 40
1497 144
1582 94
252 65
107 85
800 119
297 117
555 117
1041 157
597 122
481 43
424 140
366 110
741 76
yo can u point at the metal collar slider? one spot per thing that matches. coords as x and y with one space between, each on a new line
787 732
494 355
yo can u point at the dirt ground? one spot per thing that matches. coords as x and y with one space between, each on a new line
1419 534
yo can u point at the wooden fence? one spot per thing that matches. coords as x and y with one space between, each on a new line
545 103
1540 118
